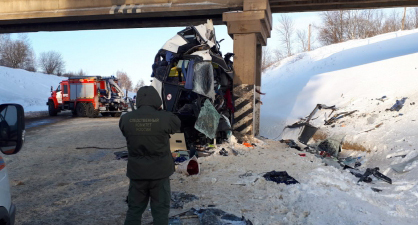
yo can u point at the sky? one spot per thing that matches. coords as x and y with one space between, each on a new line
104 52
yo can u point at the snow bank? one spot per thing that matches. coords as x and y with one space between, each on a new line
340 74
353 76
29 89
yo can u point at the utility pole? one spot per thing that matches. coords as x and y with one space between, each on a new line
309 39
403 19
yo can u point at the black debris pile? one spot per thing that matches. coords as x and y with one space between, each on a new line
214 216
375 172
223 152
208 216
398 105
291 144
122 155
179 199
280 177
303 130
338 116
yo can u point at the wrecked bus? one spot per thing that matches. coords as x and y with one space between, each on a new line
195 82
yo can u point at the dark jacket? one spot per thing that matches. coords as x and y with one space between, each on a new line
147 131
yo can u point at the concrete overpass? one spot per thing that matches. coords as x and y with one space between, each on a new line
249 23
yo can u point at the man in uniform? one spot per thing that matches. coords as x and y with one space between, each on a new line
150 162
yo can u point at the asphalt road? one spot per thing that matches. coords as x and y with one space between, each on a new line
53 181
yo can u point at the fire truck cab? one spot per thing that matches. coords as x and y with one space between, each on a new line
88 96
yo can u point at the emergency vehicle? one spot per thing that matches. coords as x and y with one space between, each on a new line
88 96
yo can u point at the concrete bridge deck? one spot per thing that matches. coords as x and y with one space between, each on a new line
60 15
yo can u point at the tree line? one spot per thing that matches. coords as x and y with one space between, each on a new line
18 53
336 27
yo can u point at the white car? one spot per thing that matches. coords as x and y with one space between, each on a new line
12 135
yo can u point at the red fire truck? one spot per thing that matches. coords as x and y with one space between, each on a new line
88 96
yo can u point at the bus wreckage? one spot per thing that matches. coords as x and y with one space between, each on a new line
195 82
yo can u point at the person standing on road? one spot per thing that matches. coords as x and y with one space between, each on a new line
150 163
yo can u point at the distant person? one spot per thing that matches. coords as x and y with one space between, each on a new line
150 163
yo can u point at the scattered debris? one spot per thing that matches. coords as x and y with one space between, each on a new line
291 144
223 152
247 174
235 152
383 98
214 216
331 145
123 155
248 145
338 116
280 177
402 167
398 105
239 184
189 167
180 159
303 130
302 154
377 126
376 189
179 199
375 172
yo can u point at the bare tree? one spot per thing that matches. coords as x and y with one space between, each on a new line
332 30
392 23
278 54
125 81
413 18
268 58
303 40
51 63
138 85
16 53
81 72
286 30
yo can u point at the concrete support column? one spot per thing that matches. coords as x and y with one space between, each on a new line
249 29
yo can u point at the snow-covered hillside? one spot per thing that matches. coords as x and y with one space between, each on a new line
369 76
341 74
29 89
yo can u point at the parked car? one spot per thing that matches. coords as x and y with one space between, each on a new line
12 136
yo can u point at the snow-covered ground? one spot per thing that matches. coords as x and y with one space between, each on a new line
29 89
352 76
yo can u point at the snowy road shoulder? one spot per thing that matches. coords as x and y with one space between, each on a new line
325 194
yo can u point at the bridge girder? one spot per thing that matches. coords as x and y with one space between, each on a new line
60 15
